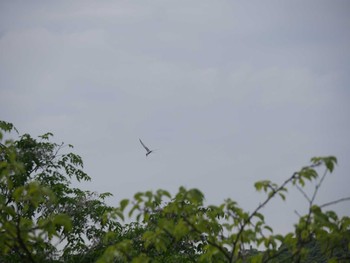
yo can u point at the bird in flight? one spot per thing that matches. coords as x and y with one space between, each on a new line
144 146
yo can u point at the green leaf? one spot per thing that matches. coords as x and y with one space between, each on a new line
258 186
195 196
161 192
138 196
149 194
104 195
333 260
7 127
63 220
119 214
141 259
259 215
123 204
332 215
46 136
268 228
181 229
330 162
282 196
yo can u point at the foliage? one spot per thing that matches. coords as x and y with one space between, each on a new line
39 210
227 233
44 219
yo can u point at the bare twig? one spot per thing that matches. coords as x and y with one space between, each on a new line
303 193
318 187
297 213
335 202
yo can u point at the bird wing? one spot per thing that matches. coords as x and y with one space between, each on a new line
144 146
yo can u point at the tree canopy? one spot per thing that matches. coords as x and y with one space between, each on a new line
43 218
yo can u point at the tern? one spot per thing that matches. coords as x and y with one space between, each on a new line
144 146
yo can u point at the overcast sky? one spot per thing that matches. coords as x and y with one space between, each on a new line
230 92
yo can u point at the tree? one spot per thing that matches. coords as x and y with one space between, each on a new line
44 219
227 233
39 210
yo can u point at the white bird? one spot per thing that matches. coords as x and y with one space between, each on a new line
144 146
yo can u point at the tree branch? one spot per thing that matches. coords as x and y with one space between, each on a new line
335 202
318 187
303 193
270 196
21 242
209 242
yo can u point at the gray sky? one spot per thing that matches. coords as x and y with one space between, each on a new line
230 92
